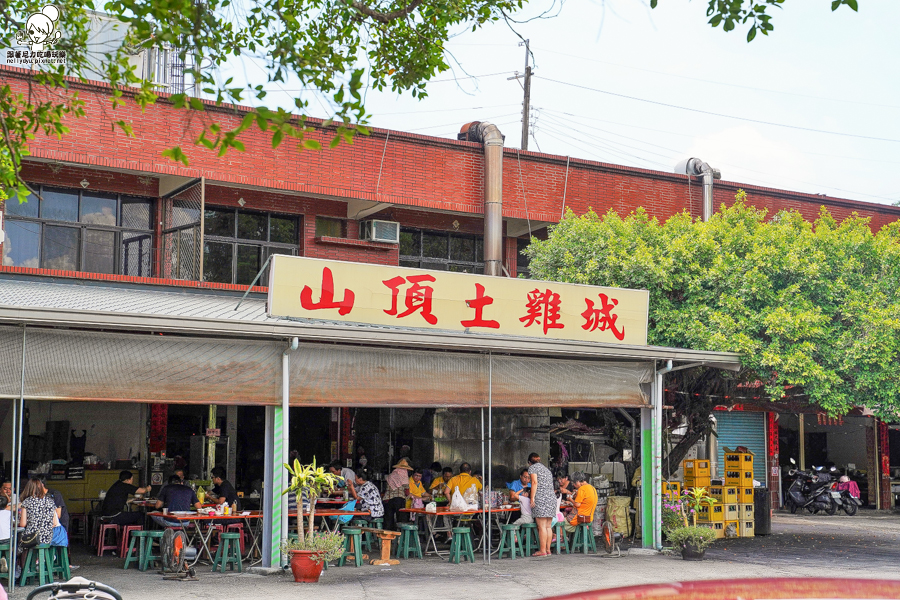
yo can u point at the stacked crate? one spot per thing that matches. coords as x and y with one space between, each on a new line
671 489
696 474
739 475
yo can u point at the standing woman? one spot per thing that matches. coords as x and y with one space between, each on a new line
543 502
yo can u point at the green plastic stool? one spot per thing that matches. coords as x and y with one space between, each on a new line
229 553
135 555
409 541
61 562
509 541
4 553
147 555
352 547
461 546
529 540
562 538
368 540
42 557
584 539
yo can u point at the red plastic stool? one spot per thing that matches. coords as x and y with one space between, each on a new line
125 534
217 531
102 546
239 529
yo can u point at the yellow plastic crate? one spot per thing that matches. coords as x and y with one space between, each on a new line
695 482
719 528
746 528
738 461
724 494
671 489
732 512
732 529
738 478
696 468
711 514
745 495
747 512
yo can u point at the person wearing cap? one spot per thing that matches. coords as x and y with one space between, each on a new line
396 494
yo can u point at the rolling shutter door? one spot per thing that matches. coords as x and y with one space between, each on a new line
743 429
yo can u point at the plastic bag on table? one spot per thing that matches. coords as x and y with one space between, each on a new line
457 502
431 507
471 498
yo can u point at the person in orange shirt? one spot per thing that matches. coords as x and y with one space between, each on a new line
585 501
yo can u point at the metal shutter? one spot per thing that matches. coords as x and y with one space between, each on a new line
748 429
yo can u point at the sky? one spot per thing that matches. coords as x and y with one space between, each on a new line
812 107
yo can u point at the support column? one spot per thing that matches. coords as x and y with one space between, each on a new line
647 477
272 488
211 442
231 432
801 431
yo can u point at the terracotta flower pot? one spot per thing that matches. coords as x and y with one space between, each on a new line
691 552
304 567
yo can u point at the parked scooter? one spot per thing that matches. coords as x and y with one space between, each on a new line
812 490
848 503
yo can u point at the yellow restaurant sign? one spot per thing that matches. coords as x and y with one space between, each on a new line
311 288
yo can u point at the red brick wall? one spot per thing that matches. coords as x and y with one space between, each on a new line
418 171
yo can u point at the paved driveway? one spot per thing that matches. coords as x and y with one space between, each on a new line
866 546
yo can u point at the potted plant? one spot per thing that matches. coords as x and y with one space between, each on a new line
692 540
309 551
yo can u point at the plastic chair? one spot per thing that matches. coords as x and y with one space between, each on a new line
562 538
367 538
509 541
60 555
125 531
584 538
147 555
528 539
38 565
4 553
409 541
229 553
352 547
461 546
239 529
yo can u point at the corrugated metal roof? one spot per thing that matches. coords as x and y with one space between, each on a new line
94 305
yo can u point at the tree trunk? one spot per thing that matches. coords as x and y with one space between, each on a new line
677 454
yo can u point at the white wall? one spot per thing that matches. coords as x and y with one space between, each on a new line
112 427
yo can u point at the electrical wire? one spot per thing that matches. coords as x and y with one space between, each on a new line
715 114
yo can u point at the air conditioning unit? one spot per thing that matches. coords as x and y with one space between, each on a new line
380 231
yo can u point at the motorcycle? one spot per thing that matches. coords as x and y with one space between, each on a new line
848 503
812 490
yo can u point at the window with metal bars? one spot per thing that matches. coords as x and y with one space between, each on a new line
80 230
236 243
441 251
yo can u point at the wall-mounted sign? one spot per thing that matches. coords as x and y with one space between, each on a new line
381 295
213 433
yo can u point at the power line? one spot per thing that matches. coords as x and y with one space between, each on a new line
715 114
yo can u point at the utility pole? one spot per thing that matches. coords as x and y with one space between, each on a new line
526 104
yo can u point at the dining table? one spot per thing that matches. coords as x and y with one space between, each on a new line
499 515
203 529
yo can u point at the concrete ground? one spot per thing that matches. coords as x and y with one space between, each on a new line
864 546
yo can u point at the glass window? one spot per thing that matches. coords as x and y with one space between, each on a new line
59 205
409 242
326 227
22 246
479 250
283 230
251 226
29 208
60 248
414 264
434 245
137 214
522 261
135 253
248 263
99 251
218 260
219 223
99 210
184 212
462 248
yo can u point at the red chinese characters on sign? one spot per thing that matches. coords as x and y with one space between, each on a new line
478 303
602 318
417 297
327 300
543 309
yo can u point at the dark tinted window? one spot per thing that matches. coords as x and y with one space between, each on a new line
434 245
326 227
218 261
251 226
219 223
283 230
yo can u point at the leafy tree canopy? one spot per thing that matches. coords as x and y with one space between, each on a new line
812 307
338 47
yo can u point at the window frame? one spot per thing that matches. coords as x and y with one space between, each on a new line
118 230
265 245
447 262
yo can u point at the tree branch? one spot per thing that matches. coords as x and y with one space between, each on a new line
383 17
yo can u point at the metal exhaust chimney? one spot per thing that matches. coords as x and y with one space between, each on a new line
487 134
696 167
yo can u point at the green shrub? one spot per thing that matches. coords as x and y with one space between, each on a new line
700 538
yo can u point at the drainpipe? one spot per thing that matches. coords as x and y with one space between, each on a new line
695 167
488 135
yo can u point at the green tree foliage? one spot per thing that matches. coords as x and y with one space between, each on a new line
812 307
730 13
